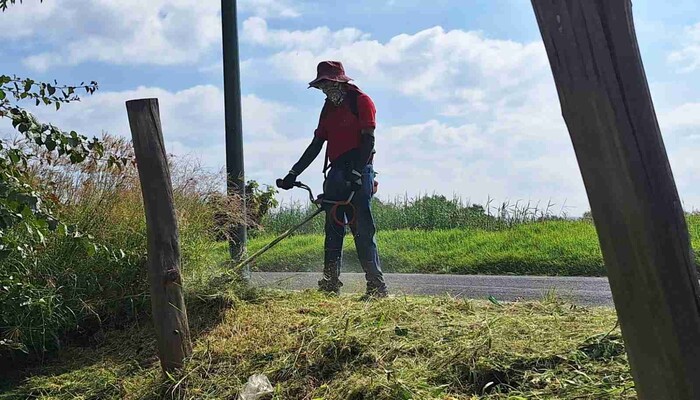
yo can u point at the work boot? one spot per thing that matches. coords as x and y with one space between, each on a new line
330 286
374 294
330 283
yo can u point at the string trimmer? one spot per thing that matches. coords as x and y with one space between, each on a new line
315 201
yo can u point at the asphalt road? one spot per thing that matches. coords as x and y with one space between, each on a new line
578 290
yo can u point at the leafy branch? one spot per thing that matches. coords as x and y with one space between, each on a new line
4 3
40 92
21 205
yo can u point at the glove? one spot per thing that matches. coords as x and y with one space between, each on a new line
354 178
288 181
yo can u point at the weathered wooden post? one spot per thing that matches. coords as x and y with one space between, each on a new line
167 300
605 101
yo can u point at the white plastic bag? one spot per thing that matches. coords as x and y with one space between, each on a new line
257 386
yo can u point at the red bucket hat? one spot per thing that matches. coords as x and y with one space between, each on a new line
330 70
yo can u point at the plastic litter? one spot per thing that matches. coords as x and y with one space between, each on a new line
257 386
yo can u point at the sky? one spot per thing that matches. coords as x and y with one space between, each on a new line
466 103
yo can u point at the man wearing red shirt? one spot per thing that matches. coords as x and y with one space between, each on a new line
347 124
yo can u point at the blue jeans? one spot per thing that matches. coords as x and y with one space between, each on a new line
363 230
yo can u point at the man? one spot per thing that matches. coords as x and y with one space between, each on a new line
347 123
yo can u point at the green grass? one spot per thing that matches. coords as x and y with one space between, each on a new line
536 248
316 347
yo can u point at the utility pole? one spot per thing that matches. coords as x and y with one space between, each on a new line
235 177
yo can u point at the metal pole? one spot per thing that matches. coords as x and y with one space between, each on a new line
235 177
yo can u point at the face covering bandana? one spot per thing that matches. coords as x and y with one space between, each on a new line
334 92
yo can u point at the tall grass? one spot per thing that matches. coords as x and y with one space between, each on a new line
425 212
70 287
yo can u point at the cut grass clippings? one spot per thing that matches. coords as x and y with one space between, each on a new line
316 347
557 248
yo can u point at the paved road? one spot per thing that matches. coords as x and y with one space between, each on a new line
579 290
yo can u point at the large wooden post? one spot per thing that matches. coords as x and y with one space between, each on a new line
605 101
167 300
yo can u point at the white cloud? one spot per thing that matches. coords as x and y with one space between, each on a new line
480 161
26 19
269 8
505 138
255 30
193 124
121 32
688 58
684 116
157 32
680 127
462 69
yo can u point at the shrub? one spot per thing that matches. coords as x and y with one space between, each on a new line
66 286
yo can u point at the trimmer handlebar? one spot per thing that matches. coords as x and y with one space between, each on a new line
280 182
298 184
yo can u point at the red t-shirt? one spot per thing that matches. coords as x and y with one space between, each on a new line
341 128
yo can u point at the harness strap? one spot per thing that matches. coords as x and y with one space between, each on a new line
334 210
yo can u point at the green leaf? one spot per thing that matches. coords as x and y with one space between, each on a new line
2 95
494 301
90 248
58 105
51 90
50 143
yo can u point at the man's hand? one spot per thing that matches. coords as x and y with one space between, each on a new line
354 178
288 181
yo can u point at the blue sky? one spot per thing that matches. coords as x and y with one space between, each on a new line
465 98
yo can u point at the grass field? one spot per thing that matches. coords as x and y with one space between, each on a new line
555 247
316 347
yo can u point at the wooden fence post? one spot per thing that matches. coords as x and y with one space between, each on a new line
605 101
167 300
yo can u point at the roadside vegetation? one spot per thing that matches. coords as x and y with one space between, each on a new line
433 234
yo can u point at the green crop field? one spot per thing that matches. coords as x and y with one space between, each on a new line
550 247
